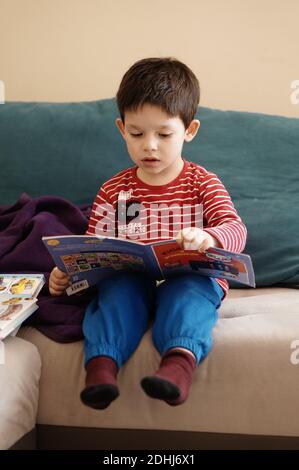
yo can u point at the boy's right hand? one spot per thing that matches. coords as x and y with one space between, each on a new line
58 282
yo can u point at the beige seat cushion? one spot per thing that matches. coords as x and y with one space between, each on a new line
19 385
242 302
246 385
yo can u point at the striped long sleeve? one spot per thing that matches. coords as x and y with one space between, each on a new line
220 216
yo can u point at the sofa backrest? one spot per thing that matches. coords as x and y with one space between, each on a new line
70 149
64 149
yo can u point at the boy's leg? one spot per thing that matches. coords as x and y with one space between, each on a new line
185 316
113 326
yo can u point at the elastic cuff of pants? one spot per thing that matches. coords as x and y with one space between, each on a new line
103 350
185 343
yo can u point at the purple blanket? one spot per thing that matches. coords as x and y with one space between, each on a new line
22 227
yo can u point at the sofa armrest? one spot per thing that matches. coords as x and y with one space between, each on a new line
20 370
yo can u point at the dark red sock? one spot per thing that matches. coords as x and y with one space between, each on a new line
100 384
173 379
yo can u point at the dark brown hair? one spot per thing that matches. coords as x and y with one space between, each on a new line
164 82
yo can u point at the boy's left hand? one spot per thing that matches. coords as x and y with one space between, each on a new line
193 238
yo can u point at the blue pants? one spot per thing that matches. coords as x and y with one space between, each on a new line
184 309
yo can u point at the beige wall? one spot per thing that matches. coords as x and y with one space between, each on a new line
245 52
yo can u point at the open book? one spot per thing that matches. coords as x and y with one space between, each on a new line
88 259
17 299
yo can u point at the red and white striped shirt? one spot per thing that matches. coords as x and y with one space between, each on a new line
193 187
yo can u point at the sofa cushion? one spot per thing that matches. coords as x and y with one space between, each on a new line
19 384
70 149
269 301
257 158
246 385
63 149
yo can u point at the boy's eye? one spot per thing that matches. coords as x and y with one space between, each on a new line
139 134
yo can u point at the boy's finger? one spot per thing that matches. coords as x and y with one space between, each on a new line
59 284
61 281
59 274
187 233
204 246
189 237
179 238
191 245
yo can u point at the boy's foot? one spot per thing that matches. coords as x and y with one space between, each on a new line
172 380
101 386
99 396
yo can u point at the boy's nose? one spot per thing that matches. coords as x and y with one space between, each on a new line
149 144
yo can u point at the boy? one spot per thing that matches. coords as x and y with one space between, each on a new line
157 100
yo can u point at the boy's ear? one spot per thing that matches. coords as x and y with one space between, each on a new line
120 125
192 130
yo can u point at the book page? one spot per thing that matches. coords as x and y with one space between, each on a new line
17 299
215 262
13 311
21 285
88 259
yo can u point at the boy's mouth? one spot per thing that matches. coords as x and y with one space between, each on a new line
150 159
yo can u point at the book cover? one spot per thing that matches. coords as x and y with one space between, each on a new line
88 259
18 299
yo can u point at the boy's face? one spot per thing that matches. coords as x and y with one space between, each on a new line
155 141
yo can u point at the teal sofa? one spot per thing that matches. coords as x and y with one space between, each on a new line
245 392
